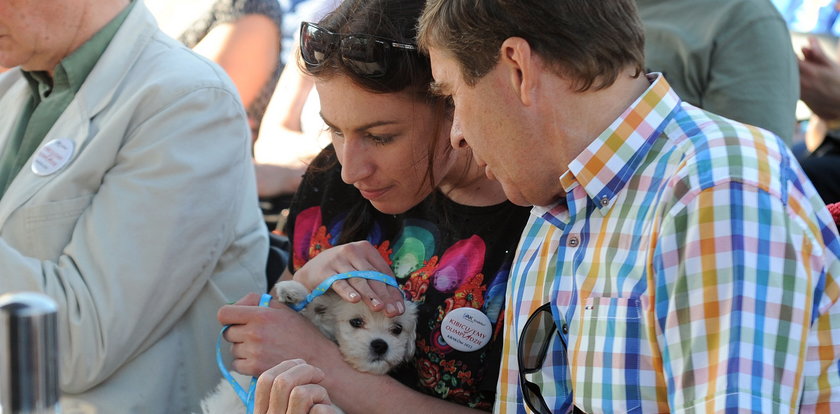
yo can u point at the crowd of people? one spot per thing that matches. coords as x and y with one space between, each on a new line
608 187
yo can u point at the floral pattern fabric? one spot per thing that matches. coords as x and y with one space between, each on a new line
444 255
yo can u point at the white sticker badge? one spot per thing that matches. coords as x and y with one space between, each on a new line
51 157
466 329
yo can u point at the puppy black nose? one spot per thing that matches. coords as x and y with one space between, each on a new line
379 347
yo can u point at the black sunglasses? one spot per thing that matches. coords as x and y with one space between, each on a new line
366 55
533 347
531 352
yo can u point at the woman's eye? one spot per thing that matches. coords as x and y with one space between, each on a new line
380 139
334 132
357 322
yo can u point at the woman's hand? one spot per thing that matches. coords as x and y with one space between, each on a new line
292 387
262 337
348 257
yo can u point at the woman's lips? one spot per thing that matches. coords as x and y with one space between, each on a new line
373 194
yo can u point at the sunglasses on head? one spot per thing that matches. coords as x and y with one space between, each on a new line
366 55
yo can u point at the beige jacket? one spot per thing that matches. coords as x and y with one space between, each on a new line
147 228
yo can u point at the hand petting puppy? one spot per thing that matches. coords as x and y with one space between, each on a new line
348 257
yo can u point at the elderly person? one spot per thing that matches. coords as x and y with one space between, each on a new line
675 260
127 195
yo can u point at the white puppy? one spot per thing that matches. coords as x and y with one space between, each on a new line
369 341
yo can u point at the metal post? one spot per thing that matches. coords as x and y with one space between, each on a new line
28 354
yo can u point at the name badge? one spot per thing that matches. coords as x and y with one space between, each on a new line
52 156
466 329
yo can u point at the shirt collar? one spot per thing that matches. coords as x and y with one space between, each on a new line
606 165
72 71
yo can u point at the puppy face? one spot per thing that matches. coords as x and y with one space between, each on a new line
369 341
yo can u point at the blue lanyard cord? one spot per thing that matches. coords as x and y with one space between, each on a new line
325 285
247 398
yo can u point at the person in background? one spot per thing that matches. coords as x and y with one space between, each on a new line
242 36
820 84
292 133
290 136
127 195
730 57
389 195
675 260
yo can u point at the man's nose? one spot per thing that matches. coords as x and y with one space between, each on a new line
456 136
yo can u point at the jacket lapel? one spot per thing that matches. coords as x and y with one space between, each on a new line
74 123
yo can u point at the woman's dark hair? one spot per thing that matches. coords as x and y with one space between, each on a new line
390 19
408 71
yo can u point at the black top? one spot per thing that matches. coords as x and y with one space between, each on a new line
444 255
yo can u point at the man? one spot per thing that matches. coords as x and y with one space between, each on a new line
127 196
685 261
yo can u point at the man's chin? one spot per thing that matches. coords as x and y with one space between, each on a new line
520 202
515 197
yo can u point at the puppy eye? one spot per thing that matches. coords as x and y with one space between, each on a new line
397 329
357 322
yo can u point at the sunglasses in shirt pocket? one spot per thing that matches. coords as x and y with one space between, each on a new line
607 339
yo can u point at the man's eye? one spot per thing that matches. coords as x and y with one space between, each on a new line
357 322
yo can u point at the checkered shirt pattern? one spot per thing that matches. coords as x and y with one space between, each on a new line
691 267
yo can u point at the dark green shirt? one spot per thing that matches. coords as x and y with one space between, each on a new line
50 97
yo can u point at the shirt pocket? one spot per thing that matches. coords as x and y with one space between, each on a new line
607 356
49 226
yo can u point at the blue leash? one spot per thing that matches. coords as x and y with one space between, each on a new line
248 397
324 286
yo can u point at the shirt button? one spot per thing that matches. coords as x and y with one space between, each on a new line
565 328
573 241
604 201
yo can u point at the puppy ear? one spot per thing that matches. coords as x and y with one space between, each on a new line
410 328
323 313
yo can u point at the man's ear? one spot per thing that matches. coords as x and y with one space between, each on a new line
515 55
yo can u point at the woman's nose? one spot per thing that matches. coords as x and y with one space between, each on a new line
356 164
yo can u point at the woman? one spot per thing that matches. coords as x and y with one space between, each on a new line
390 195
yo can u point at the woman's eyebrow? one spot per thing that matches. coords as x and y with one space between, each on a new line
363 127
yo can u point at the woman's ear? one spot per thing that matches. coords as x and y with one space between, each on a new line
516 57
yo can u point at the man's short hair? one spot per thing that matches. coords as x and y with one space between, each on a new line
588 42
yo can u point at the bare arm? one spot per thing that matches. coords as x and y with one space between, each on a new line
247 49
283 150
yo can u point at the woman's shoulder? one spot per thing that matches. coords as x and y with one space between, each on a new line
488 212
495 220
